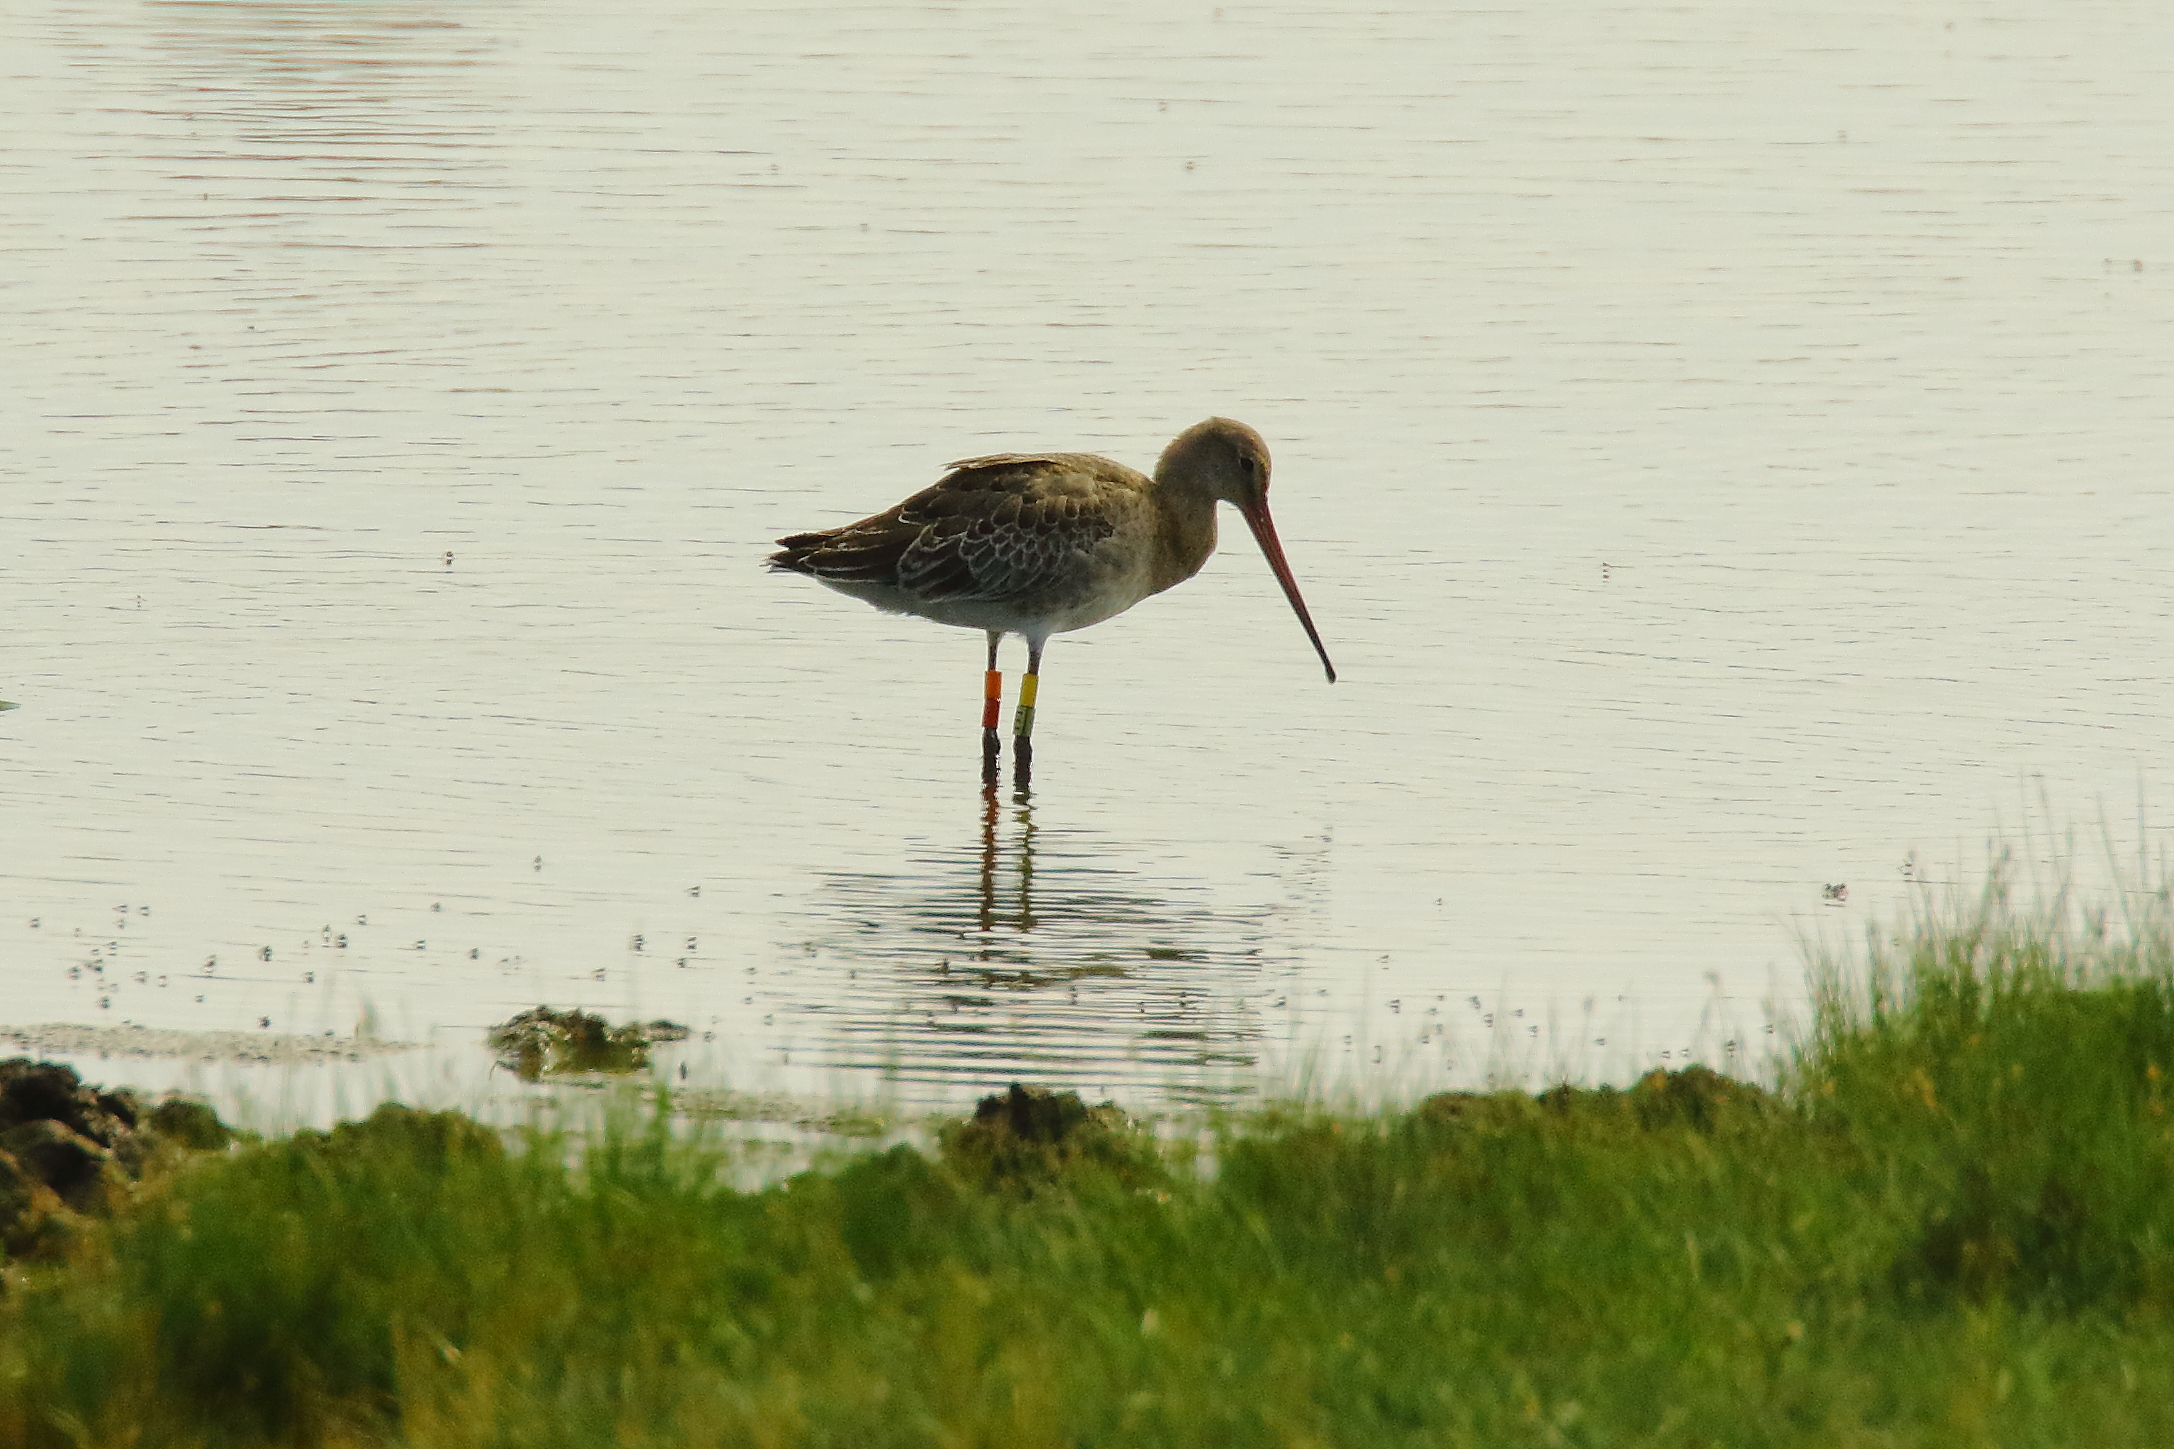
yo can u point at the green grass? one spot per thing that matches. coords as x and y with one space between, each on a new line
1952 1225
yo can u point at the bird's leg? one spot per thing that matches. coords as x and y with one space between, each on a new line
1023 716
1029 684
992 704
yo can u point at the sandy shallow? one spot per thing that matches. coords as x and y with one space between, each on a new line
207 1046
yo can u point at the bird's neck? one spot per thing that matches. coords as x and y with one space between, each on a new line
1187 535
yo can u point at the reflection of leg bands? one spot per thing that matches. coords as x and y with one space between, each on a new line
992 697
1023 719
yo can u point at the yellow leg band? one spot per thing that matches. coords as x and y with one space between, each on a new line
1023 718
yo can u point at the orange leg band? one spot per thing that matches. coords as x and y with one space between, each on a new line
992 696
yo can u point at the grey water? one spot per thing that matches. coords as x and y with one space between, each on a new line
1724 448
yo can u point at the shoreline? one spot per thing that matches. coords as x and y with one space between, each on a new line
263 1048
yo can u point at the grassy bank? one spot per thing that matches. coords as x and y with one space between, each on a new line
1954 1224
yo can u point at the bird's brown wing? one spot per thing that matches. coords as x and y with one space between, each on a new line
1012 527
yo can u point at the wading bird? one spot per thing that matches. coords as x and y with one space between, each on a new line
1036 544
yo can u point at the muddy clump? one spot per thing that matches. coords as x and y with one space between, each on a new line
1699 1098
397 1133
1484 1111
1696 1097
69 1151
1031 1136
543 1043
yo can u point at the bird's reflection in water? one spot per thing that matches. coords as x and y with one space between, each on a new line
1039 954
1023 798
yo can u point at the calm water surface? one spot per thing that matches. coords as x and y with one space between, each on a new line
1724 450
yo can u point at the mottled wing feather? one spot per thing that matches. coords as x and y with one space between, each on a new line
1082 464
1013 527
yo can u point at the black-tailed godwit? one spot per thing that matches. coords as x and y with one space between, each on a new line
1037 544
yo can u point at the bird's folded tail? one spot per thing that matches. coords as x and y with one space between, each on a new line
854 554
796 553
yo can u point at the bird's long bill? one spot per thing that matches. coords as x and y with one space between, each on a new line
1264 533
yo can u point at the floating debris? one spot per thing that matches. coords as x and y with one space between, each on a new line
544 1043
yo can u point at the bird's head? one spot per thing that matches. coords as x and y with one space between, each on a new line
1227 460
1224 459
